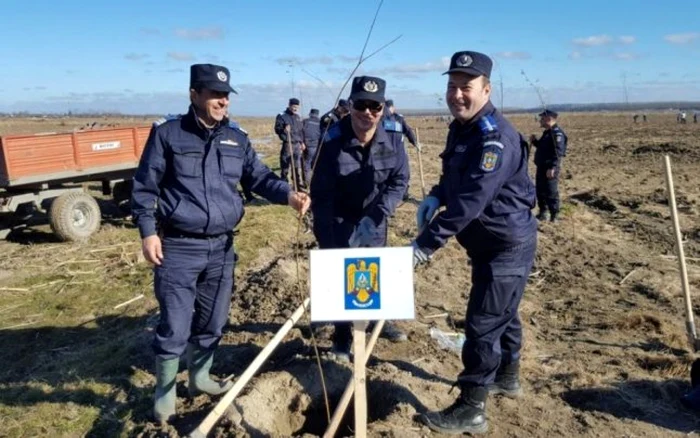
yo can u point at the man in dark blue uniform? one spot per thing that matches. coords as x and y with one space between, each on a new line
186 203
288 128
396 126
487 195
312 136
341 110
359 180
551 149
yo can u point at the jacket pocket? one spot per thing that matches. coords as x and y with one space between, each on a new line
188 160
231 161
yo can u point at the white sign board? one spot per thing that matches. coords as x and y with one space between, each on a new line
362 284
106 146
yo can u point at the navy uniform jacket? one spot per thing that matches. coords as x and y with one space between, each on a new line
485 187
328 119
551 147
352 182
312 132
294 122
188 174
396 123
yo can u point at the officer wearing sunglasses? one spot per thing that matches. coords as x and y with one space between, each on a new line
360 178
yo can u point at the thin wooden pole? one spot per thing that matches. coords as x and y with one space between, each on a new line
420 164
360 379
350 388
208 423
689 318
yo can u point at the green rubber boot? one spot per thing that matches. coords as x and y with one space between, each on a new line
199 363
166 374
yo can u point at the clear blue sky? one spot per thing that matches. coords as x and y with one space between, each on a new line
134 56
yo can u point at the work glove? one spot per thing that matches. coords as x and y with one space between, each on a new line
419 255
426 211
362 236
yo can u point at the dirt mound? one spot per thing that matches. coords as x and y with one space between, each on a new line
269 293
661 148
596 200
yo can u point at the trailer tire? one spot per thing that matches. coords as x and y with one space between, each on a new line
75 216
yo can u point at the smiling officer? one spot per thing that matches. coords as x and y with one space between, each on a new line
487 195
185 204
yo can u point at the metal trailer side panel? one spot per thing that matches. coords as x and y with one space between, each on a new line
41 158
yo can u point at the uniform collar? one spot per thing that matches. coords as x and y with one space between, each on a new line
193 124
488 109
380 135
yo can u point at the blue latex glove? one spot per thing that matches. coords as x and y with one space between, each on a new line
419 255
362 236
426 211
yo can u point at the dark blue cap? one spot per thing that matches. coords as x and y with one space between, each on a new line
313 112
294 101
343 104
549 113
389 102
210 76
368 88
471 63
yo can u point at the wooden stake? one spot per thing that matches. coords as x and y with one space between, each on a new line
358 332
136 298
350 388
689 318
208 423
420 164
628 276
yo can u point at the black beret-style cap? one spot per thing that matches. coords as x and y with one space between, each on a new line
210 76
294 101
368 88
471 63
549 113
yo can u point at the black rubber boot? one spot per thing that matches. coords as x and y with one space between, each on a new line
507 381
542 215
553 216
467 414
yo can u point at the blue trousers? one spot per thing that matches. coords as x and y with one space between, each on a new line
493 328
286 162
193 286
547 191
309 157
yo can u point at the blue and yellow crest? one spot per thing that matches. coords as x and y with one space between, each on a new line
362 283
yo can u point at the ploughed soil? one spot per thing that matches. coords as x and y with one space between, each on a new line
605 351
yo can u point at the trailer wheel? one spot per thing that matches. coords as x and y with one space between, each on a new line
74 216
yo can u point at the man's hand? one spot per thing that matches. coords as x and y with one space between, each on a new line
299 201
303 147
551 173
418 147
287 129
152 249
426 211
419 255
362 236
533 138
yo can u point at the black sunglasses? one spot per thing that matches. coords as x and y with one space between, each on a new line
361 105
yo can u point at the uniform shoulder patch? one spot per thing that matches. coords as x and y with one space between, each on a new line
392 126
234 125
488 124
333 132
166 118
489 159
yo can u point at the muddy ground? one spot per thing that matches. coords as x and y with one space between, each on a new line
605 351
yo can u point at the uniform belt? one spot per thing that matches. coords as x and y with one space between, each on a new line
174 232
